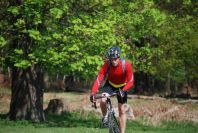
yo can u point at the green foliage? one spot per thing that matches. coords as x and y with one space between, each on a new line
14 10
56 13
179 48
137 21
72 37
2 41
34 34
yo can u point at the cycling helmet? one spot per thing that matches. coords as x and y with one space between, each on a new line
114 52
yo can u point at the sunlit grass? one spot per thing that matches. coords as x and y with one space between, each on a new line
88 122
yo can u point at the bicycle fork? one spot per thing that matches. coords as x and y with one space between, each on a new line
112 122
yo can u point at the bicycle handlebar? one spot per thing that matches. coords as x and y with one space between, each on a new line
99 97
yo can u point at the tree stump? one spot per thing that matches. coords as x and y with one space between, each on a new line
55 106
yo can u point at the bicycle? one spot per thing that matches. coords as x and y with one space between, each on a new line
112 121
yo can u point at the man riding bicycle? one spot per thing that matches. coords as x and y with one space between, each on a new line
119 78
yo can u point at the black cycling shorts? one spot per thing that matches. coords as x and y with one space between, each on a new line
110 90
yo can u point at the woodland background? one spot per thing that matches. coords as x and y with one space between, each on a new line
59 45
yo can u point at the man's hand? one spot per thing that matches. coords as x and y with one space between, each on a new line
121 93
93 98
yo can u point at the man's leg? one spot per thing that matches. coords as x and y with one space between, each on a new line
107 90
122 117
103 105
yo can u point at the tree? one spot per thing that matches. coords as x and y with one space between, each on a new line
17 46
56 36
177 41
71 37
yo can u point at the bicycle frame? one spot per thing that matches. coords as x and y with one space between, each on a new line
113 124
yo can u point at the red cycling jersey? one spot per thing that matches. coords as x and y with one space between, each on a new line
116 76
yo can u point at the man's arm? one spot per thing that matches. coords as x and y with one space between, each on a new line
130 77
99 78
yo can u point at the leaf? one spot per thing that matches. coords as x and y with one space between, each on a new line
18 51
22 64
14 10
187 2
56 36
2 41
20 23
56 13
35 34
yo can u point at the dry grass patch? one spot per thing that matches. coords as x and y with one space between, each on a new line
155 111
147 111
5 96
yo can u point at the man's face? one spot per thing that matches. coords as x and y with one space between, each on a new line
115 61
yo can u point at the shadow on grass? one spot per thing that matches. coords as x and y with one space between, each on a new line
85 119
3 116
67 119
73 119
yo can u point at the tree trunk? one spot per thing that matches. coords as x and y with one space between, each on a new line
27 95
168 84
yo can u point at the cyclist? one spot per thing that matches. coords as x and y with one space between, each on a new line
117 79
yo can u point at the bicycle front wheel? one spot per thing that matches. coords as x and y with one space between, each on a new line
113 124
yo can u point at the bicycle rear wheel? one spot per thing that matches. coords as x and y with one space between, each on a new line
113 124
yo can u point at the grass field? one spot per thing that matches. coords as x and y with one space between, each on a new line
77 120
83 122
